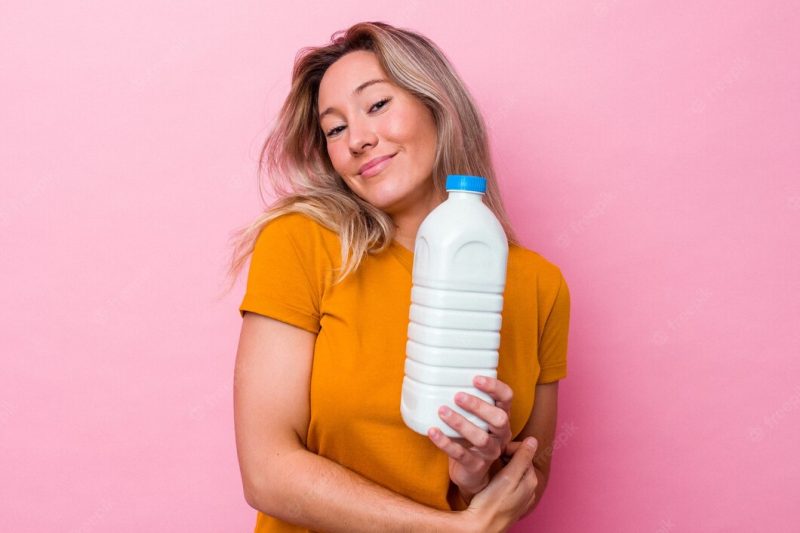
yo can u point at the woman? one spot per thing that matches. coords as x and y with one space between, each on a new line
373 124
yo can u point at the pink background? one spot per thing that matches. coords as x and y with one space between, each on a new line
649 149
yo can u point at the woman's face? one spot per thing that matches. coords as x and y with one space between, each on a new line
364 122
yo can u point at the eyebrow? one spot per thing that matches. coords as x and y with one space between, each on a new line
355 92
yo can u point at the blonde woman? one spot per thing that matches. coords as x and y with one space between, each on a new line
372 125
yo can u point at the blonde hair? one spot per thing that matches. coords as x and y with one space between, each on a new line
295 153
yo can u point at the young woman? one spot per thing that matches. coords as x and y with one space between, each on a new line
372 125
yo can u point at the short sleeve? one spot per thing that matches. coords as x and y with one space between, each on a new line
280 280
553 344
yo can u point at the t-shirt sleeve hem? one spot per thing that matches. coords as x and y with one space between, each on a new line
552 374
280 312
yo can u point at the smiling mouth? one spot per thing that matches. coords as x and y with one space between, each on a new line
376 167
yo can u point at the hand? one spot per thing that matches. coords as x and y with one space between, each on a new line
472 457
510 493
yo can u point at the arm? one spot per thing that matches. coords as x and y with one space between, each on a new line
280 476
552 358
542 421
542 425
466 497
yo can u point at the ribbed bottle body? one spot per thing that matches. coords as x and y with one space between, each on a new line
455 317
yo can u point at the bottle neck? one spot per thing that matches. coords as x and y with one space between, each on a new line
465 196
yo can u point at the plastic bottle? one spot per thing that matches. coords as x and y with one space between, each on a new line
458 280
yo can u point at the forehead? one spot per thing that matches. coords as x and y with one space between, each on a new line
347 73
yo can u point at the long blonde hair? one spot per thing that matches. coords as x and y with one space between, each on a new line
295 156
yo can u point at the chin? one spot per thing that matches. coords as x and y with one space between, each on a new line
375 198
381 203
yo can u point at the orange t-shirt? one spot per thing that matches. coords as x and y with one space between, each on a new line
359 356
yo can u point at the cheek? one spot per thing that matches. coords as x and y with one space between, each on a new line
337 155
413 130
401 128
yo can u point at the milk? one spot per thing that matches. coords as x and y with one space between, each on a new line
458 279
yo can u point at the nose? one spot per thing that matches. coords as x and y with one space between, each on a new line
361 136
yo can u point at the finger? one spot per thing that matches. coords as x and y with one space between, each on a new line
511 449
512 446
486 446
499 390
521 464
450 447
496 417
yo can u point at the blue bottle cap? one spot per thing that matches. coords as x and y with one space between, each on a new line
461 182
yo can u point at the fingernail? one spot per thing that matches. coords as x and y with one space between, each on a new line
444 410
461 397
530 442
480 380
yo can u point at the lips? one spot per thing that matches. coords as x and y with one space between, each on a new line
372 162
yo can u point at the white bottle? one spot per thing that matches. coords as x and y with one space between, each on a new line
459 276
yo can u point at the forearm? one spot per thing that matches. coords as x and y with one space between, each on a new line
540 486
466 496
314 492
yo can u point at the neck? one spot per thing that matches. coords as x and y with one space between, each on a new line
407 222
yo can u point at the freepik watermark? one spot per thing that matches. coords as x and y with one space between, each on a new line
589 218
701 296
721 85
665 526
757 432
7 409
95 518
565 433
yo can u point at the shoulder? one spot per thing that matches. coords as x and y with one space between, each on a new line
295 222
300 228
302 235
540 279
533 265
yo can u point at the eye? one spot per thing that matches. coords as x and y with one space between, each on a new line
381 103
334 131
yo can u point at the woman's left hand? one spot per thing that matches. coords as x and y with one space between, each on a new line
471 457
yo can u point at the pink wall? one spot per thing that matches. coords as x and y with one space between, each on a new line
650 149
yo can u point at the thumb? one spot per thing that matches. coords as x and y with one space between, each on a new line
522 459
513 446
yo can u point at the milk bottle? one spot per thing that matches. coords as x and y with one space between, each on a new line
458 279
